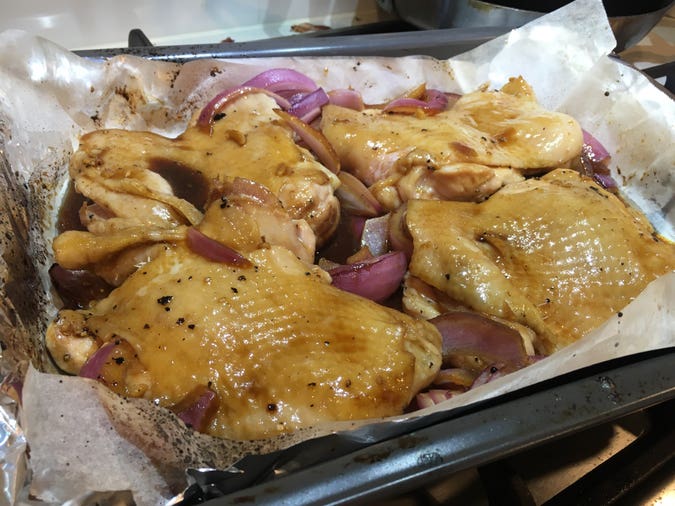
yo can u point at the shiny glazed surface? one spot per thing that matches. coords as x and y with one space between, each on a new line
558 254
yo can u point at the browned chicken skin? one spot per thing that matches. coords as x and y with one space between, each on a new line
122 171
279 345
484 141
558 254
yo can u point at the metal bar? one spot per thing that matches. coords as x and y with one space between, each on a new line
486 435
437 43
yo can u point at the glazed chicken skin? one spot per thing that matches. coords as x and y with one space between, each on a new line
558 254
485 140
123 171
277 343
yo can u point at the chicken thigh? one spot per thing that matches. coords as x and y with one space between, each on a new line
129 175
484 141
265 331
558 254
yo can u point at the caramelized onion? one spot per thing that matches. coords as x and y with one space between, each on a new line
314 140
77 288
94 365
433 101
350 99
473 341
376 278
355 197
308 108
198 408
214 250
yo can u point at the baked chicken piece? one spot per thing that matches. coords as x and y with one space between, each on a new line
266 333
143 184
558 254
484 141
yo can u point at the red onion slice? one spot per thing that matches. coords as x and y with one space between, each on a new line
309 106
473 341
350 99
432 397
214 250
434 101
77 288
314 140
93 367
594 162
376 278
220 101
605 180
595 150
280 80
198 408
375 235
355 198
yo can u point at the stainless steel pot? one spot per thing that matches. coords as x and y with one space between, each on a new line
630 21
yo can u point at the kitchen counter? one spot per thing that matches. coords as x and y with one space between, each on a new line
657 47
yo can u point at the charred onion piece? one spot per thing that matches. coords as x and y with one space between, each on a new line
473 342
214 250
198 408
77 288
376 278
355 197
314 140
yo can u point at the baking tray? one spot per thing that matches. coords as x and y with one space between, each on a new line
435 446
338 470
442 44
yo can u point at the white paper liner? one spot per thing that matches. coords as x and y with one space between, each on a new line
48 97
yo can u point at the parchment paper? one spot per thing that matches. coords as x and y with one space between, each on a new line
83 438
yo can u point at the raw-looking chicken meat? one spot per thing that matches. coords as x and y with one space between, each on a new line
485 140
264 332
558 254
